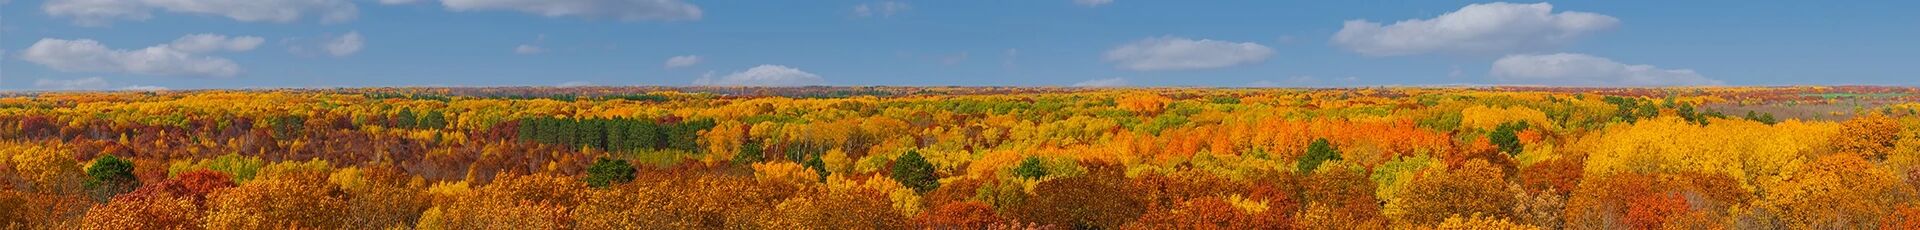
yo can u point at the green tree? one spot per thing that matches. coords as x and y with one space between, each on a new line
913 171
607 172
433 120
818 166
406 119
685 135
1318 152
1030 168
110 176
1765 119
750 152
1507 137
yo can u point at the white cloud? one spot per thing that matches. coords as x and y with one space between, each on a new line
683 61
1176 53
623 10
91 83
86 55
1587 70
1478 28
97 12
1102 83
398 2
1092 3
884 9
104 12
202 43
763 75
345 45
528 49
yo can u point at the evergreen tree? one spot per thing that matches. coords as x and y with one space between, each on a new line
1031 168
433 120
913 171
1507 137
750 152
818 166
406 119
1318 152
607 172
110 176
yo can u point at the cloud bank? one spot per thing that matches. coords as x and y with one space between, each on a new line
1479 28
1177 53
1588 70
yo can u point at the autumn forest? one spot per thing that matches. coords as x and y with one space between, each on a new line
963 158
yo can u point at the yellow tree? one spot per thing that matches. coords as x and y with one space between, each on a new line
1474 189
1839 191
1872 136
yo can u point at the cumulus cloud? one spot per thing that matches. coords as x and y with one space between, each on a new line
344 45
682 61
398 2
1176 53
764 75
1478 28
1588 70
87 55
104 12
91 83
623 10
202 43
1102 83
883 9
1092 3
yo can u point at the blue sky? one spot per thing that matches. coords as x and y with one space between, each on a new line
191 44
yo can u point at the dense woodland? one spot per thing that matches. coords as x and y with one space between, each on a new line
963 158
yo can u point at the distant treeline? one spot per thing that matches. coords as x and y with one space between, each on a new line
616 135
557 97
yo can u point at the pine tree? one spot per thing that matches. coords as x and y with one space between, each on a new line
607 172
1318 152
433 120
913 171
110 176
1031 168
406 119
750 152
1507 137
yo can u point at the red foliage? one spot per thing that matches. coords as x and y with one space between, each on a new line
1213 213
959 215
1559 175
1093 200
1651 211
